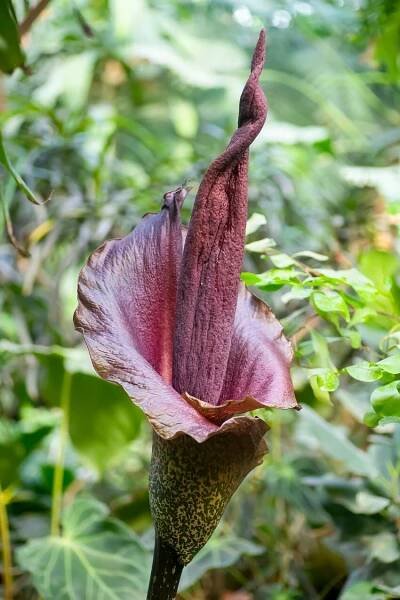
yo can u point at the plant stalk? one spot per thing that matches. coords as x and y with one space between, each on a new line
57 495
6 548
165 573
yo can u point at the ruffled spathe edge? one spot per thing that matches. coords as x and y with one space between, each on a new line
119 308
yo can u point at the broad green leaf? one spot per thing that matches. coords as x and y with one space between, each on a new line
11 54
310 254
250 278
352 277
361 315
17 441
96 557
296 293
391 364
221 551
369 504
362 590
277 278
282 261
386 400
314 432
330 302
261 246
371 419
364 371
255 221
380 267
103 420
384 547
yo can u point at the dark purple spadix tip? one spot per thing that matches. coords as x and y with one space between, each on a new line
213 254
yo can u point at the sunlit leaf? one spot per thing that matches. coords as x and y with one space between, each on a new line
326 379
282 261
369 504
310 254
261 246
391 364
384 547
362 590
250 278
330 302
352 277
276 278
386 400
296 293
364 371
255 221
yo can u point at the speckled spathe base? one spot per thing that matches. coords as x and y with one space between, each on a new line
191 483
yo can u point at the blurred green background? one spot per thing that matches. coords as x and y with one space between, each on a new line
117 103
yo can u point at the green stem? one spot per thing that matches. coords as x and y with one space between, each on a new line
58 480
6 548
165 573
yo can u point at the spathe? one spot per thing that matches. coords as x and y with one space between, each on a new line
155 311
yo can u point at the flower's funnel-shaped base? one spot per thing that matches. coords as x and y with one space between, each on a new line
191 483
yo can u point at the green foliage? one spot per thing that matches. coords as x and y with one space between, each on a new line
124 101
17 441
5 162
11 54
103 421
96 557
222 551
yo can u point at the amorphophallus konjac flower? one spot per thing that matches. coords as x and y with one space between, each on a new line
164 315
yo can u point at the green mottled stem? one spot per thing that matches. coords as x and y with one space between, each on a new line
165 573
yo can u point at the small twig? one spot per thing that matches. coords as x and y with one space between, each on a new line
10 230
38 255
32 15
310 323
87 30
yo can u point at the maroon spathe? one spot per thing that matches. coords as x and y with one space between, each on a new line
168 320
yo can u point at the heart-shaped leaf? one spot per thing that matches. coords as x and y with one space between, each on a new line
97 557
